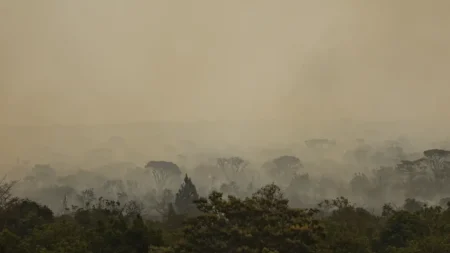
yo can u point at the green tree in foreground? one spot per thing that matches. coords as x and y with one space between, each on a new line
261 223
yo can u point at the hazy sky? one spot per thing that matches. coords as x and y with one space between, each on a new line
111 61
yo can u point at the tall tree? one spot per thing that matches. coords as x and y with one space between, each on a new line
232 167
185 197
86 198
6 196
160 201
163 172
436 159
283 167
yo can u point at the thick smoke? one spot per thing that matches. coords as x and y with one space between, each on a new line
298 64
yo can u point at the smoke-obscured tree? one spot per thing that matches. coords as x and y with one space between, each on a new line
52 195
437 162
6 196
422 187
163 172
232 167
413 169
413 205
133 208
86 198
299 190
362 154
319 147
360 183
185 197
427 176
159 201
420 183
44 172
385 175
361 187
283 167
132 188
387 185
65 206
114 187
230 188
327 187
394 151
82 178
434 160
207 174
444 202
300 184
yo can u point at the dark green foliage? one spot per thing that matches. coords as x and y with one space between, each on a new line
9 242
23 216
348 228
172 219
184 199
402 228
261 223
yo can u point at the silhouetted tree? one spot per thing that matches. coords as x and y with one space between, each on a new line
284 167
185 197
360 184
436 159
6 196
300 183
401 228
159 201
230 188
113 187
412 205
232 167
162 172
86 198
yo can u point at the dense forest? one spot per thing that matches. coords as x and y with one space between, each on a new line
229 204
224 126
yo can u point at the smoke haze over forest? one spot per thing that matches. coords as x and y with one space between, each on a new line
296 63
142 126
